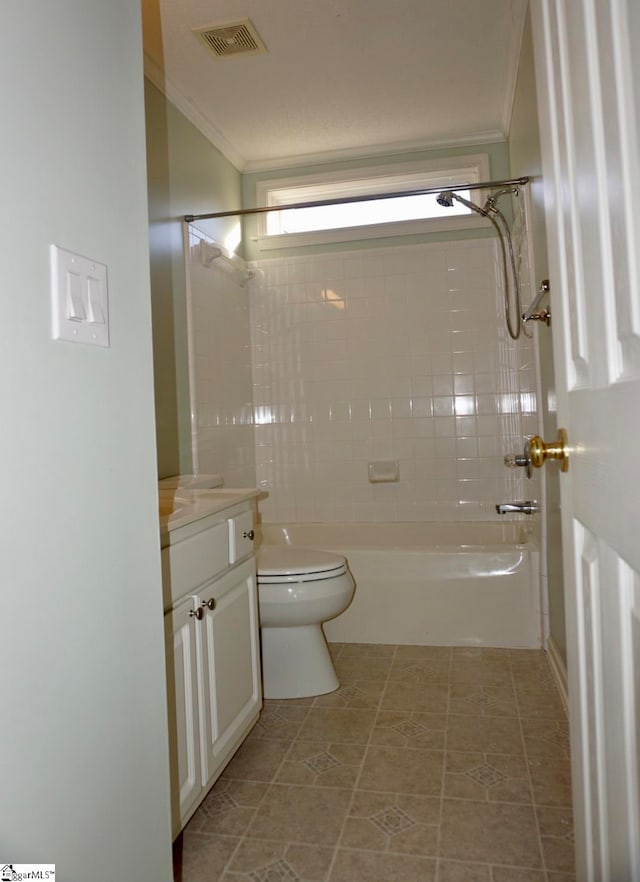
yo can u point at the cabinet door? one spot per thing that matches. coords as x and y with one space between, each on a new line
182 701
230 657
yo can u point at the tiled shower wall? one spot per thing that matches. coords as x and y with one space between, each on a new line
388 354
220 366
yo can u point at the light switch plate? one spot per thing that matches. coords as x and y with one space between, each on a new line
80 299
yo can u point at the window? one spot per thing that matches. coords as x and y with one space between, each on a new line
369 219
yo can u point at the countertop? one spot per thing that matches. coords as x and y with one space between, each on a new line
179 507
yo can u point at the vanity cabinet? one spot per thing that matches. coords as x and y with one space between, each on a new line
213 656
228 662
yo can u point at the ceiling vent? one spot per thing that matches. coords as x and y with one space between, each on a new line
237 38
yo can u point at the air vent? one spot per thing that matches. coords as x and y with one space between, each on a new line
237 38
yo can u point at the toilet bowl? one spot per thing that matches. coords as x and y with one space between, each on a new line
298 589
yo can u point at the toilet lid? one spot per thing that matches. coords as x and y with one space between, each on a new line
286 561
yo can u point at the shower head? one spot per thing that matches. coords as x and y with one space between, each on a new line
446 200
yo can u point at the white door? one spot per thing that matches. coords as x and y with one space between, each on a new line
588 71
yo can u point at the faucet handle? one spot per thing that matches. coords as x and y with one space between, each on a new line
515 460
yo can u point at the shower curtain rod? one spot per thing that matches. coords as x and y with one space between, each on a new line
318 203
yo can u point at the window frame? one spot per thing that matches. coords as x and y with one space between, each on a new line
364 180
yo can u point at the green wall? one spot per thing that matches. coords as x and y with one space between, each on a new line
186 175
499 168
85 748
525 156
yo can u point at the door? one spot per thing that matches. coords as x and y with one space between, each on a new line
588 72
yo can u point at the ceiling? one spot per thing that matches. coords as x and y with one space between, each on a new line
341 78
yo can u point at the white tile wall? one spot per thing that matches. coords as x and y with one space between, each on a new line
394 353
220 368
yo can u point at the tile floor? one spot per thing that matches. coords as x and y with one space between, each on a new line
429 764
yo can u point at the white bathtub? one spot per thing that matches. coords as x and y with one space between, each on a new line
447 584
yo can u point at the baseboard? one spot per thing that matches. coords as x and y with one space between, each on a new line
559 671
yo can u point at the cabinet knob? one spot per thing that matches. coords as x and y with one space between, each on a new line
198 613
249 535
210 604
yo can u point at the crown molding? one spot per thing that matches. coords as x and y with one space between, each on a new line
156 75
324 157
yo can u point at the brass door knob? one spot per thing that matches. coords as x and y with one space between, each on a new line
539 452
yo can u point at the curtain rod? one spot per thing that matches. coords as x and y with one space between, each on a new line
485 185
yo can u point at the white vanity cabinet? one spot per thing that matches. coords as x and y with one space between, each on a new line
228 659
213 656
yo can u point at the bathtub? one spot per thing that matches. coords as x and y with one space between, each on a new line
432 583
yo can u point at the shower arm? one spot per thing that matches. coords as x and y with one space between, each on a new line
318 203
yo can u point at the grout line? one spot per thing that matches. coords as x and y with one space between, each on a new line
444 766
245 836
525 753
357 781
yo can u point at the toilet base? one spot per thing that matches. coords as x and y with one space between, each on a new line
296 662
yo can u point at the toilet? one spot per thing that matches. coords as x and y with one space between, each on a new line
298 590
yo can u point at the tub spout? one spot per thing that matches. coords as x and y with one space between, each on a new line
530 506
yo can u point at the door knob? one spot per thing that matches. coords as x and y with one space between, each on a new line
540 452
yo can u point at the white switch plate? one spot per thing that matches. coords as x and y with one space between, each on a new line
80 298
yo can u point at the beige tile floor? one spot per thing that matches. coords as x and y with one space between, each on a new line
429 764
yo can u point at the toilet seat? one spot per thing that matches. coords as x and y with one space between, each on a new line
288 564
